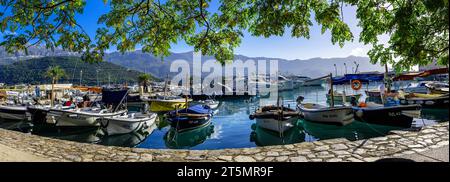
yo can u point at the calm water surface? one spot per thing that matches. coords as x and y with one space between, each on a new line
232 128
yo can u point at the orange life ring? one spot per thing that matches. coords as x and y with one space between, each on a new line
356 84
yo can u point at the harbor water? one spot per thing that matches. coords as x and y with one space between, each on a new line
232 128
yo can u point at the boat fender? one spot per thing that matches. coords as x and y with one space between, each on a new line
251 116
359 113
356 84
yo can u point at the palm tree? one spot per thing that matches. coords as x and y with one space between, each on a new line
55 73
143 80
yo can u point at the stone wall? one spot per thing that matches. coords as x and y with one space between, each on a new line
397 143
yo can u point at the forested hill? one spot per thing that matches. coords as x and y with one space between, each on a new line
32 71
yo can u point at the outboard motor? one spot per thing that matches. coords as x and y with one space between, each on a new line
300 99
353 101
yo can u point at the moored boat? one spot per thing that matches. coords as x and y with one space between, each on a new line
13 112
314 82
339 115
426 100
127 123
164 104
400 115
338 97
275 118
189 118
79 117
38 113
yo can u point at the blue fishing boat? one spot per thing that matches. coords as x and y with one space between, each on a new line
191 117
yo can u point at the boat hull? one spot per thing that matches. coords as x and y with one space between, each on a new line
117 126
339 98
276 125
336 116
71 119
399 116
182 124
313 83
440 102
12 114
164 106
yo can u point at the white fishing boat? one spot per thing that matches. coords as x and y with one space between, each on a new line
284 84
127 123
298 80
341 115
79 117
314 82
13 112
275 118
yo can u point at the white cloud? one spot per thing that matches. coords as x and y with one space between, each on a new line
358 52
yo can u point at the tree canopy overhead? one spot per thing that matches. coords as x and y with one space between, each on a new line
418 29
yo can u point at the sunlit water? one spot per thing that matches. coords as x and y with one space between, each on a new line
232 128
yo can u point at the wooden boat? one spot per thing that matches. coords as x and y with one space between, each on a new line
339 97
127 123
38 113
314 82
275 118
438 88
90 116
13 112
400 115
164 104
426 100
340 115
189 118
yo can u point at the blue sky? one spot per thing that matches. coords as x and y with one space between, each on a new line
319 45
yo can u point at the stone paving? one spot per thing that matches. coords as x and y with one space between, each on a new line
396 144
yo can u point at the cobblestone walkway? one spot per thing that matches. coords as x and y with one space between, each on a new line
397 143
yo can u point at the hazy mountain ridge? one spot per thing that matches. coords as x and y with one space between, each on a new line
160 67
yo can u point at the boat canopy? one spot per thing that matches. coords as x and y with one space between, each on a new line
113 96
196 109
411 76
367 77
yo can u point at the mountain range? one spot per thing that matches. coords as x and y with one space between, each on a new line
32 71
159 67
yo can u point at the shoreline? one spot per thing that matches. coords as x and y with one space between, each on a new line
432 138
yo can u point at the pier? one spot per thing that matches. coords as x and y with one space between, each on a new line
429 144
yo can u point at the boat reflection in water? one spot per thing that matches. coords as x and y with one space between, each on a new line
264 137
185 139
128 140
94 135
353 131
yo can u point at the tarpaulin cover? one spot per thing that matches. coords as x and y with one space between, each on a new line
113 96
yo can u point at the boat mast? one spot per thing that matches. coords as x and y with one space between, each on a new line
332 90
165 86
